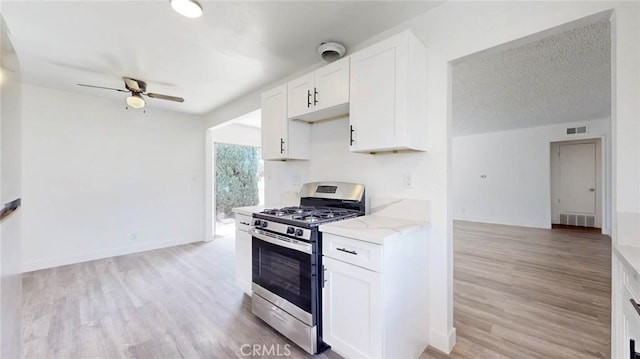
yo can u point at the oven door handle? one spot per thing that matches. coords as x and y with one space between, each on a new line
300 247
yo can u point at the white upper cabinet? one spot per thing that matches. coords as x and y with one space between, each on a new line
388 96
321 94
282 139
301 91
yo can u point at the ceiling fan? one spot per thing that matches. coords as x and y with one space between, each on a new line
137 88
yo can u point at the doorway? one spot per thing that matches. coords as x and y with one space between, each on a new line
234 171
576 183
508 106
239 182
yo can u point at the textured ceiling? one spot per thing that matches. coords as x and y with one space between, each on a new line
561 78
234 48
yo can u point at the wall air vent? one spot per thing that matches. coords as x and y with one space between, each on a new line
579 220
576 130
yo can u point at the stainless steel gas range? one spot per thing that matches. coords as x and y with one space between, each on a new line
287 259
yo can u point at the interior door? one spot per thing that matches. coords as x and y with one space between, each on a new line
578 178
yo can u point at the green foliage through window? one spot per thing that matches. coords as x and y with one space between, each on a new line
237 174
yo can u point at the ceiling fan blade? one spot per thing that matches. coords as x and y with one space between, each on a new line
165 97
105 88
132 84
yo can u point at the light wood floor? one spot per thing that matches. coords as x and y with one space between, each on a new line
530 293
519 293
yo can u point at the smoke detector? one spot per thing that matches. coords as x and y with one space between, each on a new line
331 51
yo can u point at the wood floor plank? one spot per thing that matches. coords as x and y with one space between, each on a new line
518 293
530 293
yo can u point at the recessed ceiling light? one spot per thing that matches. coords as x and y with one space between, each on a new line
188 8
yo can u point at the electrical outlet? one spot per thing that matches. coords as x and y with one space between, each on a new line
408 181
133 236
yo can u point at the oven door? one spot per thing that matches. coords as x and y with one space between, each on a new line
282 271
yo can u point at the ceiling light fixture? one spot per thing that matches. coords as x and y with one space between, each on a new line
135 101
188 8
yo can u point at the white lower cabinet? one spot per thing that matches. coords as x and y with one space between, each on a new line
243 252
374 296
626 319
352 322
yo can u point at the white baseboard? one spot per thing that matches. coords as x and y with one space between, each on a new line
31 266
442 341
545 225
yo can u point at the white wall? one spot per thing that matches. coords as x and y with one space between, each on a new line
10 189
450 32
332 161
101 181
517 189
235 134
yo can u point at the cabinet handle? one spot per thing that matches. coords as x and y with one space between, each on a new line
347 251
308 98
9 208
636 306
315 96
350 135
281 145
322 280
632 350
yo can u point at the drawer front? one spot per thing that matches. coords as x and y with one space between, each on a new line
363 254
243 222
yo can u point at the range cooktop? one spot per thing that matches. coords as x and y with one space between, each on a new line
306 216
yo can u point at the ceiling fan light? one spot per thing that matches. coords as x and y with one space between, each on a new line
135 101
188 8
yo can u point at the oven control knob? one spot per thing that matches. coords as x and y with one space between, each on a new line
298 232
257 223
263 224
290 230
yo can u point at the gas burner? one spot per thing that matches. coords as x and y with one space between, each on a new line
330 213
322 214
295 210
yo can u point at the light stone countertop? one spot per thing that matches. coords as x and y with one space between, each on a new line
248 210
630 255
374 228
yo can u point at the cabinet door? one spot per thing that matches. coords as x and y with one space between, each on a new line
243 261
331 85
352 310
274 123
377 90
300 93
630 326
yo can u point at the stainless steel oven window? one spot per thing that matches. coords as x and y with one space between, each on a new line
284 272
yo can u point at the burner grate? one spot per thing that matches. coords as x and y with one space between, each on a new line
317 215
308 216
